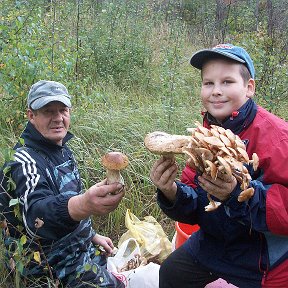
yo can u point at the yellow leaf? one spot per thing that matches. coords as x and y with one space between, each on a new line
23 240
37 257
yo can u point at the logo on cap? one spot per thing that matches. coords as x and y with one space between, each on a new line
223 46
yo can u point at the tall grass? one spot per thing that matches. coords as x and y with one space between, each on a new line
121 125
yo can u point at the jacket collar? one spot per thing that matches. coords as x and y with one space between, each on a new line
238 121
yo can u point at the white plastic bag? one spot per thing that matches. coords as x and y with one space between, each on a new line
142 277
126 252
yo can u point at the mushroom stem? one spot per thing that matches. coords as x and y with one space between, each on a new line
213 205
169 155
114 162
114 176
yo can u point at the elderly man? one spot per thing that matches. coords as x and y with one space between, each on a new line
52 211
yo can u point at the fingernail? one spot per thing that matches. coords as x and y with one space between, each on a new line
120 186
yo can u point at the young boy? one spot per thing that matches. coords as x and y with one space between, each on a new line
244 243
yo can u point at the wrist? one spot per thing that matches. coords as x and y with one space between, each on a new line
171 193
77 208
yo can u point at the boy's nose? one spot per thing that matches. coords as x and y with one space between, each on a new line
216 90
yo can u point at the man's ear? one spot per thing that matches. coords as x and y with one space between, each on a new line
250 88
30 115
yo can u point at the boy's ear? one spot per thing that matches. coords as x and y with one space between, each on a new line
250 88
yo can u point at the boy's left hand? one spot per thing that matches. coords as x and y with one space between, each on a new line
219 188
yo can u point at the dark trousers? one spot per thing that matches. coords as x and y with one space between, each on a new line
178 270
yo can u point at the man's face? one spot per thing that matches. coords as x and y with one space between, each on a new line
52 121
223 89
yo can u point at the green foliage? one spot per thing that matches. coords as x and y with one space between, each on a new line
26 56
271 62
119 46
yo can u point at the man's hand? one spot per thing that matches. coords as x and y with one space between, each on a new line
163 174
104 242
219 188
99 199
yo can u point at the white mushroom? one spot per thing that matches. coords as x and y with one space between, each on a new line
114 162
166 144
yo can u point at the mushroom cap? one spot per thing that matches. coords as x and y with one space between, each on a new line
214 141
225 165
255 160
231 136
162 143
202 129
204 153
225 140
214 131
246 194
243 155
115 161
211 167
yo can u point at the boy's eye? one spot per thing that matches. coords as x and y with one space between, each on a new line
208 83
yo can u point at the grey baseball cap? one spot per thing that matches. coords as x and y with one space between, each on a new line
44 92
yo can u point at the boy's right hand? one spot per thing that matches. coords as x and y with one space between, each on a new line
163 174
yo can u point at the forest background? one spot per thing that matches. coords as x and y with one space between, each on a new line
126 63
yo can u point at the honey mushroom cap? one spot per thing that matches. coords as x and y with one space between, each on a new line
114 161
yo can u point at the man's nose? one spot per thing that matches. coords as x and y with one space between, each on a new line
57 116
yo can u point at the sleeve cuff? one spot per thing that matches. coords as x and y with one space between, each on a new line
232 203
63 212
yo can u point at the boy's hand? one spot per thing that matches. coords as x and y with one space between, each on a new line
219 188
163 174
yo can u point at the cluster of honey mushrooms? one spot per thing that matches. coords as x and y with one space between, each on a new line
217 152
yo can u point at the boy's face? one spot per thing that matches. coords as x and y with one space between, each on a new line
52 121
223 89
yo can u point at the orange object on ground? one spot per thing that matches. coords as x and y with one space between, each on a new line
183 232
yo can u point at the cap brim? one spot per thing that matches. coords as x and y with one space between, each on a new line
40 102
197 60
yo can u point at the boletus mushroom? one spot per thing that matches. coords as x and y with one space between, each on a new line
166 144
114 162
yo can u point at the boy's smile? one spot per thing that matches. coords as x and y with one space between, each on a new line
223 88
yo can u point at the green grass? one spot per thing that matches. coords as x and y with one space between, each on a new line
122 126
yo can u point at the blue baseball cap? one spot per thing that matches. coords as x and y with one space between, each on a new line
44 92
227 50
